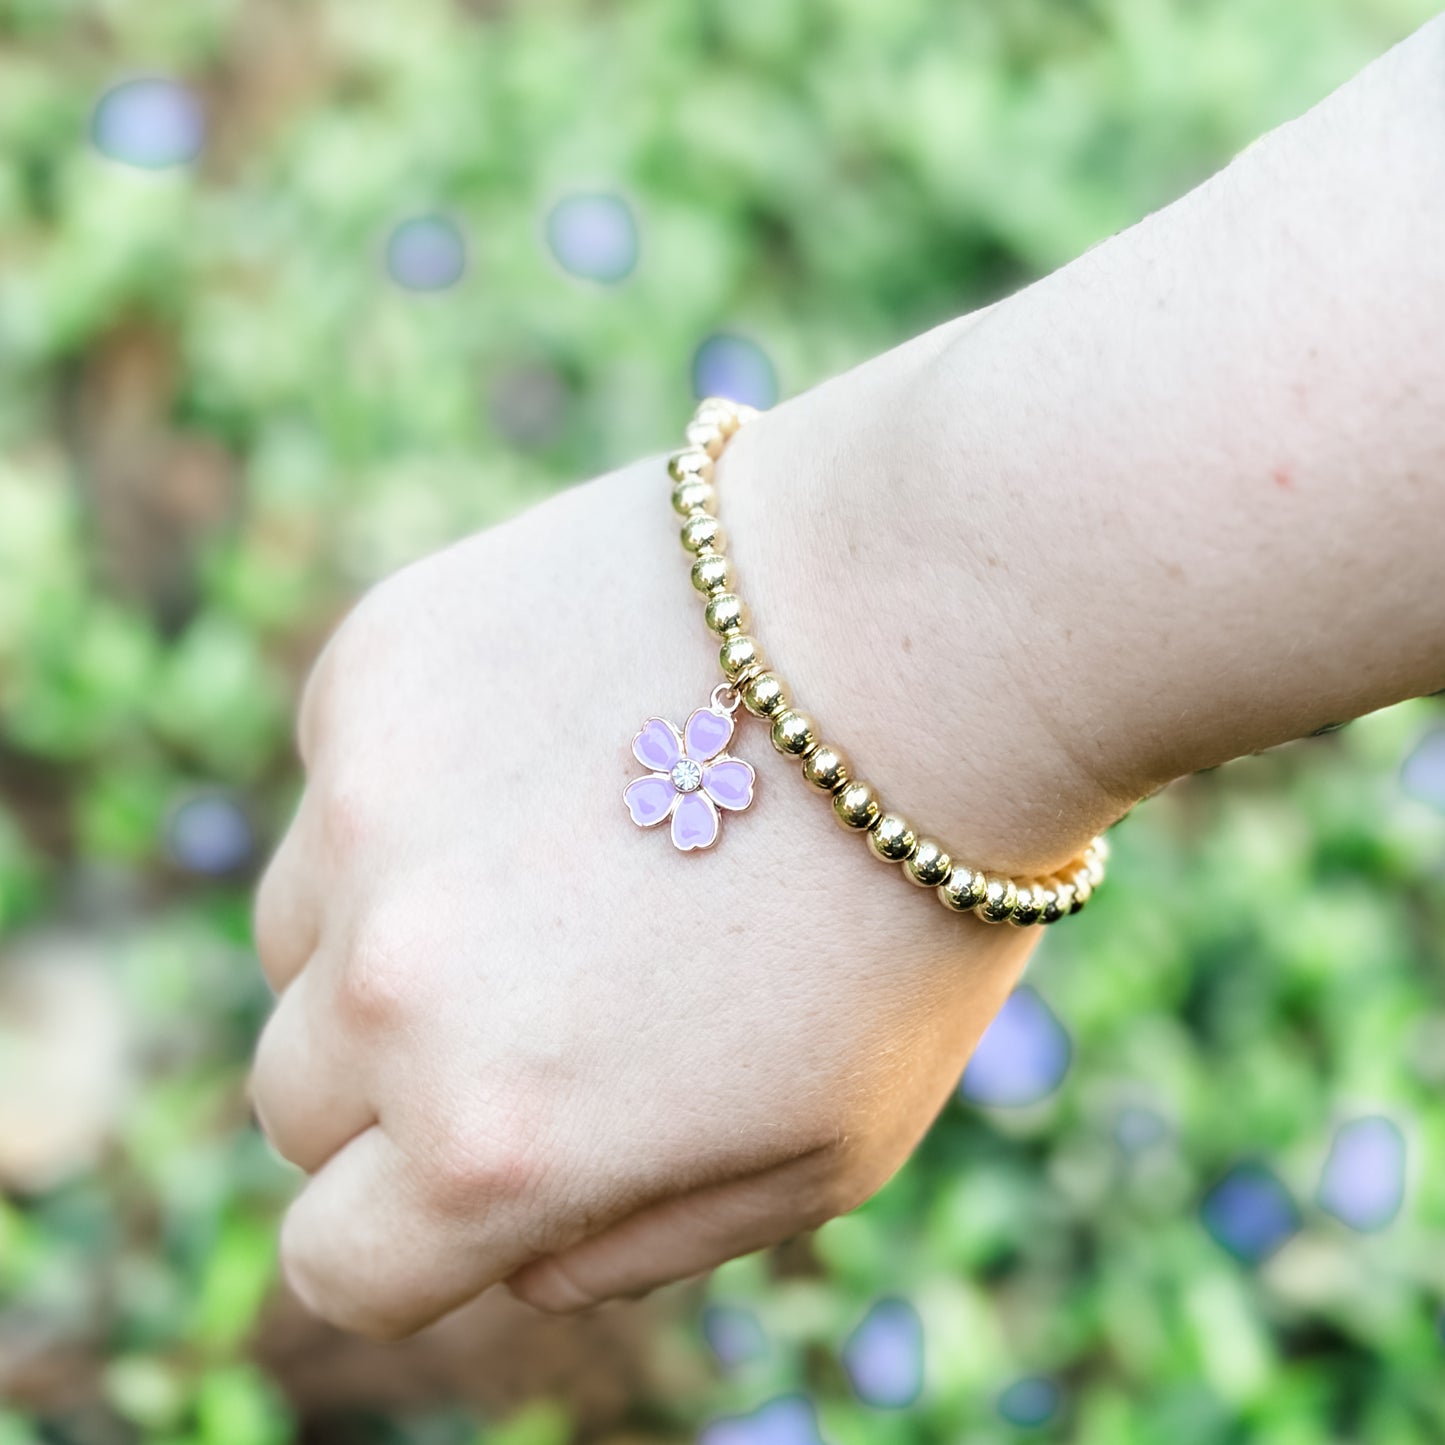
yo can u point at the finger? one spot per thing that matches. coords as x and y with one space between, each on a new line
383 1243
287 919
309 1081
685 1236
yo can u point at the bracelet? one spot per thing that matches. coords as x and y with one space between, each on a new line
691 776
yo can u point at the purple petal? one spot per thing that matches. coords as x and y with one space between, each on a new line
657 745
649 800
729 783
694 822
707 734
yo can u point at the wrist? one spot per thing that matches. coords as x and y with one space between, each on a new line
889 601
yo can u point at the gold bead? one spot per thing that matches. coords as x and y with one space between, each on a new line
740 654
1094 863
707 435
964 890
1028 907
929 866
701 533
726 614
691 464
1000 895
719 412
693 495
711 574
765 695
826 768
892 838
856 805
793 733
1053 905
1083 888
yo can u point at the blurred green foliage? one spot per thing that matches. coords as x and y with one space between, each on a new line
220 417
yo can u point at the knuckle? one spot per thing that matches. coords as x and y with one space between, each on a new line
379 974
473 1161
348 810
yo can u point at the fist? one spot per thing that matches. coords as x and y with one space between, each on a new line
518 1039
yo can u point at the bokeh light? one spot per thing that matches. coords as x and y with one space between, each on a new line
1030 1402
1363 1180
594 236
734 367
789 1420
1137 1128
1423 775
734 1334
884 1355
1022 1057
210 834
1250 1213
426 253
151 123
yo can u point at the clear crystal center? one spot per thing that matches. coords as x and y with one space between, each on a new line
687 776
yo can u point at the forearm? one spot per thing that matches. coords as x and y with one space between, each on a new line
1183 500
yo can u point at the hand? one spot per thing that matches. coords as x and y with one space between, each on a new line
1029 571
520 1039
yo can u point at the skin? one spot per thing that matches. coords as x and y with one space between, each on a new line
1178 502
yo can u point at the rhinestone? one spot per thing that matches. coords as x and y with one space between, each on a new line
687 776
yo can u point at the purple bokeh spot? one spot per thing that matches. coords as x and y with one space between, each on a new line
426 253
789 1420
1250 1213
694 822
211 835
1423 774
1363 1181
1030 1402
1021 1059
593 236
152 123
734 367
1137 1128
729 783
649 800
657 745
707 732
884 1356
734 1334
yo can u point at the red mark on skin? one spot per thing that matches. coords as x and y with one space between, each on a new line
1282 477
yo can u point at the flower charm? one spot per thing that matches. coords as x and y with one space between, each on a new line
691 777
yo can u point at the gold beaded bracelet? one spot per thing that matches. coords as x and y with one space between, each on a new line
691 776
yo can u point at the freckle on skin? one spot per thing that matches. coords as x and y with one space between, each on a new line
993 561
1282 477
1174 571
908 644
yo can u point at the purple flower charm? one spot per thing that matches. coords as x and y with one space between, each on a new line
691 777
